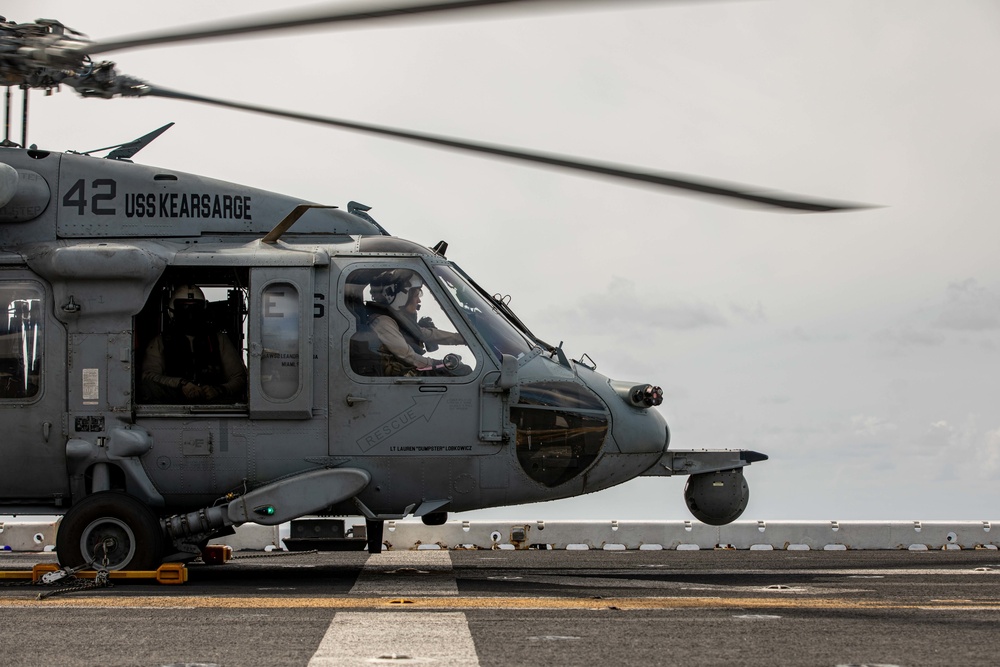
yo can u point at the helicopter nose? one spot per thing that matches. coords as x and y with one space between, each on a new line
638 436
639 431
591 429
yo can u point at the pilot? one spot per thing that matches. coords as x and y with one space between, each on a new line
404 339
190 362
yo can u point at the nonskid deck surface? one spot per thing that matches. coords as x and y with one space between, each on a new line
500 607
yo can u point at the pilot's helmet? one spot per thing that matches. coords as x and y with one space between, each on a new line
187 308
392 288
186 297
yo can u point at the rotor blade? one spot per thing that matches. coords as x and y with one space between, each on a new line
676 181
313 17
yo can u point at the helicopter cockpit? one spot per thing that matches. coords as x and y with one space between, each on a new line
561 424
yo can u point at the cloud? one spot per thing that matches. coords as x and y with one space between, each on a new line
990 458
969 307
622 303
801 335
935 438
905 337
961 451
752 315
929 453
685 316
871 426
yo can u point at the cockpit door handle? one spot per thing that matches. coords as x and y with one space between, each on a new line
351 400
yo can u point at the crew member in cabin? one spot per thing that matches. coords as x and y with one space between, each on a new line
404 339
190 362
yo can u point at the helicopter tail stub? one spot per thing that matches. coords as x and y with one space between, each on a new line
286 499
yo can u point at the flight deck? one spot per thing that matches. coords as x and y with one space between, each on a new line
518 607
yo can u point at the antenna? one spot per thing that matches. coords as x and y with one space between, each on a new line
130 148
24 117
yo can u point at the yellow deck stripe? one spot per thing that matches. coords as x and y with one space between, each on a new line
464 603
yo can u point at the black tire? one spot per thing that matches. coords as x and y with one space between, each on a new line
129 529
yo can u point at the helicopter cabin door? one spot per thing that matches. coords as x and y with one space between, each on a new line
411 367
280 346
32 391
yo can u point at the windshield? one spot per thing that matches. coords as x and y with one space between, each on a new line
483 315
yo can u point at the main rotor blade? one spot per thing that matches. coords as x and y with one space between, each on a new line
675 181
312 17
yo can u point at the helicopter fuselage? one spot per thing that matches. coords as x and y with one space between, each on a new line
92 246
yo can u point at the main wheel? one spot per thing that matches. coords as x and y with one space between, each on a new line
113 530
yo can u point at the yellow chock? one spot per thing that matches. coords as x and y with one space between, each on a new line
168 573
216 554
171 573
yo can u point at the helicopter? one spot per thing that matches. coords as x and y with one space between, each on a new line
100 255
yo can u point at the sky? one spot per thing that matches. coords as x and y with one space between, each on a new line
859 350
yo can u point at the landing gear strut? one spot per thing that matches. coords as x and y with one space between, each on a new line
375 529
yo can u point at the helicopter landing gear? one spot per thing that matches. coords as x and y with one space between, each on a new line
111 530
375 529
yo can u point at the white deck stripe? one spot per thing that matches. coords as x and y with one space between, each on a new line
402 573
398 638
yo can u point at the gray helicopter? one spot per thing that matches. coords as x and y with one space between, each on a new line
181 355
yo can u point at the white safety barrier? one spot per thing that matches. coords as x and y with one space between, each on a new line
612 535
41 536
632 535
28 536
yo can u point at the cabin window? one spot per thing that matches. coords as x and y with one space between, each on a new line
21 316
402 330
279 339
190 339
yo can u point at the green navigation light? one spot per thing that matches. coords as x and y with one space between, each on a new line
265 510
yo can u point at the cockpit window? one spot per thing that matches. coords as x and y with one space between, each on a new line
498 332
402 331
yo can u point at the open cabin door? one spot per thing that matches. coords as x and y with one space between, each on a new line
280 344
